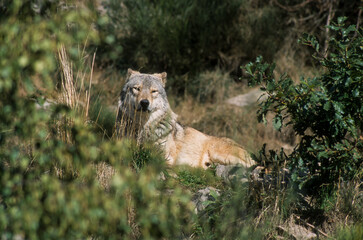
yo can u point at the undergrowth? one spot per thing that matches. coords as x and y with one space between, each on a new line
64 174
195 179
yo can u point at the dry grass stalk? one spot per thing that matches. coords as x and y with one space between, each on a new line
129 127
104 174
88 94
69 96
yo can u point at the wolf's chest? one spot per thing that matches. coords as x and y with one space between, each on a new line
157 131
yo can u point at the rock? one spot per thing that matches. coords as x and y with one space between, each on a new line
46 105
252 97
161 176
296 231
204 197
232 173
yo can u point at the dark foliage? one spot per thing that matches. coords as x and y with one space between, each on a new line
325 111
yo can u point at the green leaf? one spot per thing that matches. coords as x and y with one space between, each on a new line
277 122
248 68
356 93
327 106
270 86
323 154
341 20
346 31
335 28
300 162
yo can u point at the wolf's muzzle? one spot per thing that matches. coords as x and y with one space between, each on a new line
144 103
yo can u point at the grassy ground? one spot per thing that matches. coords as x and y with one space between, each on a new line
334 218
64 173
269 209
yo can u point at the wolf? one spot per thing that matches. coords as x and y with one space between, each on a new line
144 114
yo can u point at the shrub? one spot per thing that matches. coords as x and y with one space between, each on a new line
187 37
172 35
52 164
210 86
325 111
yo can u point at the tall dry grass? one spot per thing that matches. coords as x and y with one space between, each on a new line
73 91
129 126
238 123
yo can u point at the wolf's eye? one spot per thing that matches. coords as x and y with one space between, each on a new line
136 89
154 91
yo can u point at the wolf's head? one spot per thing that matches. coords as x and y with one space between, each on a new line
144 92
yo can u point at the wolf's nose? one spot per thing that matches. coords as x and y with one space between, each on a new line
144 104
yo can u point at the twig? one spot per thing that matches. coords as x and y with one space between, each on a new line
90 84
330 15
260 216
292 8
358 21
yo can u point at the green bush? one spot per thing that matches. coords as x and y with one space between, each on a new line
61 179
195 179
58 179
232 216
325 111
187 37
210 86
172 35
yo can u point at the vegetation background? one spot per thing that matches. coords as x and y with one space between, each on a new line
64 175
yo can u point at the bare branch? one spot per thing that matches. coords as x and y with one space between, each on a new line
292 8
330 16
358 22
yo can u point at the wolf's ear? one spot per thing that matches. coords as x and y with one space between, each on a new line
162 77
130 72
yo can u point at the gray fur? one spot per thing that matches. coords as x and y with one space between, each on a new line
151 125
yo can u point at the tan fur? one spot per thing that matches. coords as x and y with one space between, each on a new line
182 145
197 149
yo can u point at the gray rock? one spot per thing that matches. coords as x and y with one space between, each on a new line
296 231
252 97
232 173
46 105
204 197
